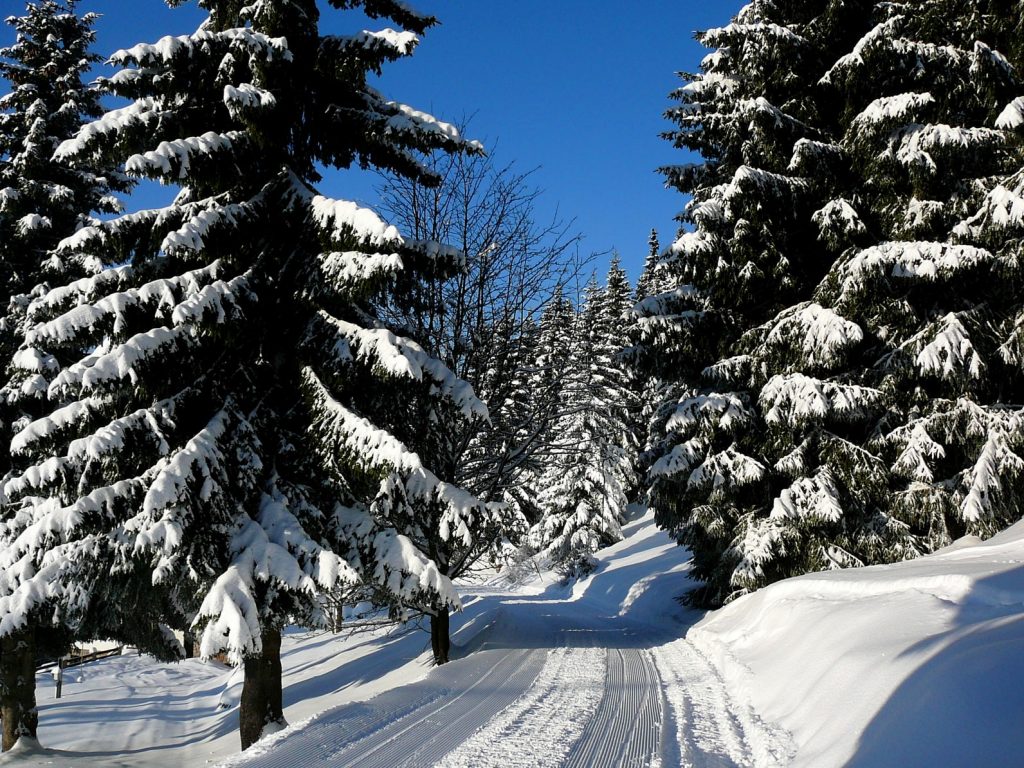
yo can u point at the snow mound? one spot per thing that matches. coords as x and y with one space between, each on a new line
916 663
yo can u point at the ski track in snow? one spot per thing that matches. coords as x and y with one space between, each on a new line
712 730
540 728
627 728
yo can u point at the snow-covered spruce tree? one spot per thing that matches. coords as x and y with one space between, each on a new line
552 366
769 156
41 201
240 404
931 284
583 489
862 412
878 385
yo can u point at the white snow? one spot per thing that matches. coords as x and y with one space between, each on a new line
398 356
910 664
178 154
908 260
1012 116
899 665
343 219
818 334
890 110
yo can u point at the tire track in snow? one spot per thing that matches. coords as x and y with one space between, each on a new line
425 736
540 728
390 727
626 729
712 730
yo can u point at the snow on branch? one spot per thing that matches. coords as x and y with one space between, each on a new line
926 261
890 112
918 451
347 270
211 215
997 470
817 335
663 303
1002 210
732 34
184 297
399 356
355 434
459 509
838 222
142 114
813 498
385 42
194 467
726 411
343 220
943 349
682 458
170 47
270 548
175 157
855 58
798 399
1012 117
101 367
728 469
72 414
764 540
246 96
919 143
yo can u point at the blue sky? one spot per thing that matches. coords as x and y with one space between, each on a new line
573 88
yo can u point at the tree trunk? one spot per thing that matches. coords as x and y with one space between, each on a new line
440 640
189 643
261 704
18 686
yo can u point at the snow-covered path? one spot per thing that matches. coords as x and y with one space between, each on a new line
588 677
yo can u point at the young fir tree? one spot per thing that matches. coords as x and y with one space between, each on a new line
240 404
584 488
41 202
550 367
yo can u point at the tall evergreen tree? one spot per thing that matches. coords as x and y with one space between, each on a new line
849 416
753 116
41 202
240 404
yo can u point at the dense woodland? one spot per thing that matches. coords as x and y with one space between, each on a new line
259 403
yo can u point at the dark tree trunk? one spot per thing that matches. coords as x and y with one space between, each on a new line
189 643
18 686
439 638
261 703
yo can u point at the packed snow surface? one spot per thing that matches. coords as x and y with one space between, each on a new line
914 664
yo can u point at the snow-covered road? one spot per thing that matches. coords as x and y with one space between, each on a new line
587 677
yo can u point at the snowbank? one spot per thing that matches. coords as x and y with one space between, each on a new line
913 664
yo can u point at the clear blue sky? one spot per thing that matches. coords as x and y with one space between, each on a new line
574 88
